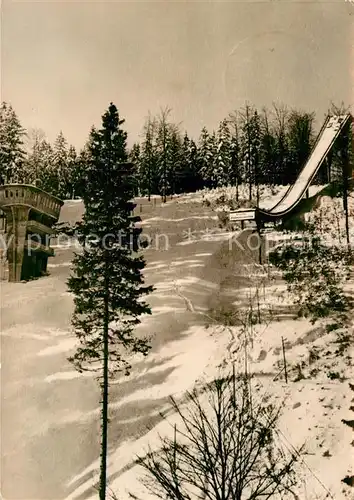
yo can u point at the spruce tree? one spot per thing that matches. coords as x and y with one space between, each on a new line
162 142
189 178
174 159
300 139
79 172
185 165
82 162
235 173
255 150
250 145
196 181
39 164
61 166
12 153
33 162
107 282
134 157
281 144
47 175
148 162
267 150
206 154
222 161
72 165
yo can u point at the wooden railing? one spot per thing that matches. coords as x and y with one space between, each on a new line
24 194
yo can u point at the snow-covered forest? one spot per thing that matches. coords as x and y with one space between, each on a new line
250 146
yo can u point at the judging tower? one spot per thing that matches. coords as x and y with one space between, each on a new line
29 215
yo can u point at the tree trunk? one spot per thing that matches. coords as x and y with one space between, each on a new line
104 412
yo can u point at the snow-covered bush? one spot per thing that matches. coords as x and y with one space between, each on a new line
328 220
236 197
315 274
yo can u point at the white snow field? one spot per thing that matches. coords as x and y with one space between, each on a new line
50 413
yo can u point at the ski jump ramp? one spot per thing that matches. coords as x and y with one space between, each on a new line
331 128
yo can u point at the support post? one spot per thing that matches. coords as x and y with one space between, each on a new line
344 151
259 231
284 360
329 166
17 224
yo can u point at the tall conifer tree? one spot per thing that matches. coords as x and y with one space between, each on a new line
107 282
12 153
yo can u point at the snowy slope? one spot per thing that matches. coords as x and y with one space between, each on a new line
50 413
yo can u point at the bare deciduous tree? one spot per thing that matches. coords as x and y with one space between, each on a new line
225 448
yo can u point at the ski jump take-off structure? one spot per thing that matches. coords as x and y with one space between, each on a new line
331 129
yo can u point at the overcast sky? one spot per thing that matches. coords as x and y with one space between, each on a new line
63 62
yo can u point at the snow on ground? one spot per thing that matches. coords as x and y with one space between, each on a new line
212 195
48 406
312 408
159 219
329 219
62 264
207 236
269 195
188 369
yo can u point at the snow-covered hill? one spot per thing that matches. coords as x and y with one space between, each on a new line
50 413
